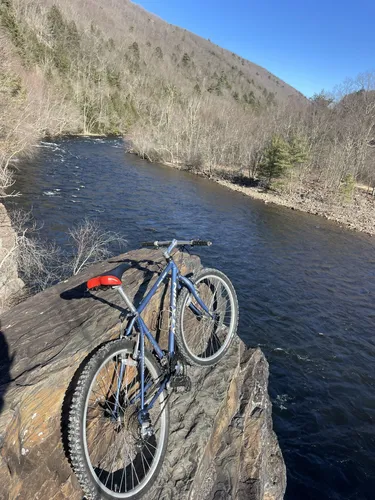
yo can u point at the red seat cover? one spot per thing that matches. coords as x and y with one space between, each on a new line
103 281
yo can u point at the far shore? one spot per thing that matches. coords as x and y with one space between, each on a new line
357 215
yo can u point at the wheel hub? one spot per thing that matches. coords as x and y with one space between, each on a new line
130 421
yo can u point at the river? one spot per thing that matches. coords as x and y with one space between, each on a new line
306 291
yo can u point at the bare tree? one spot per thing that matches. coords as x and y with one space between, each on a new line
42 264
91 244
38 262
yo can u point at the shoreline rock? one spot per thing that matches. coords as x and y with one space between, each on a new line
356 217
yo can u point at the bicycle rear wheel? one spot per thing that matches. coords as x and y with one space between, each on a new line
203 339
109 455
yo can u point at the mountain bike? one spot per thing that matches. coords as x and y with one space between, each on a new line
119 417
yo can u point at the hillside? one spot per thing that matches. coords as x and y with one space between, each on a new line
73 67
109 60
181 57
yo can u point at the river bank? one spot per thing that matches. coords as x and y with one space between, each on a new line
356 215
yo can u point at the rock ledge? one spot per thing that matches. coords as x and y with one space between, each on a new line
221 443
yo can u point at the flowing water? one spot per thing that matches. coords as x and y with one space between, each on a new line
306 290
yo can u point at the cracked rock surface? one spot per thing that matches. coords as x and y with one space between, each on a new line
222 445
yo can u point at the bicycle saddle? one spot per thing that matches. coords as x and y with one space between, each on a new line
111 278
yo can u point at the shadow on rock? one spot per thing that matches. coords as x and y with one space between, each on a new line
142 265
5 363
81 292
67 402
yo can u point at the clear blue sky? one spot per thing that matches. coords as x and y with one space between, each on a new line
311 44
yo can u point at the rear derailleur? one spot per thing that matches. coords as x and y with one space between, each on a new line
146 428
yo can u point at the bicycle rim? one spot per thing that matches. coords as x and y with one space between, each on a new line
121 463
206 338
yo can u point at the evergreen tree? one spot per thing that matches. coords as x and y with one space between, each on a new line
347 188
197 89
186 59
72 37
276 160
158 53
298 149
322 100
134 48
9 22
56 22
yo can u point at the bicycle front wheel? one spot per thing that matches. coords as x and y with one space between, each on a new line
203 339
109 455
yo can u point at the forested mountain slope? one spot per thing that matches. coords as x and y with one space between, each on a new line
108 58
175 53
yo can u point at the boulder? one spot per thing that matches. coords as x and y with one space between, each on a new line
221 441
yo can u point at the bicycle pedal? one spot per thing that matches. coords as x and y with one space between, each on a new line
181 382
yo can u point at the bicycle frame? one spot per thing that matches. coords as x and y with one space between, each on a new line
177 282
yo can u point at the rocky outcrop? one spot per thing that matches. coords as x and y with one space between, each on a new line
222 445
10 283
221 440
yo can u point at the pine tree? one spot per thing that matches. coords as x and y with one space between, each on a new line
158 53
298 149
276 160
134 50
347 188
197 89
185 59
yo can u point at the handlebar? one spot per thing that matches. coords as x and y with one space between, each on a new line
201 243
176 243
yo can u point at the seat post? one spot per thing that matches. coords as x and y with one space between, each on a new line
126 299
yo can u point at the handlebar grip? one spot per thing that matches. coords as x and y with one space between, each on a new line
201 243
148 244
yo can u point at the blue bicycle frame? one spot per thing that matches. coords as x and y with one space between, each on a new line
177 282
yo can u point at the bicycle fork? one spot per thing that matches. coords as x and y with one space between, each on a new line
190 286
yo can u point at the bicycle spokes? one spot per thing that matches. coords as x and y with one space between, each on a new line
205 333
120 454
